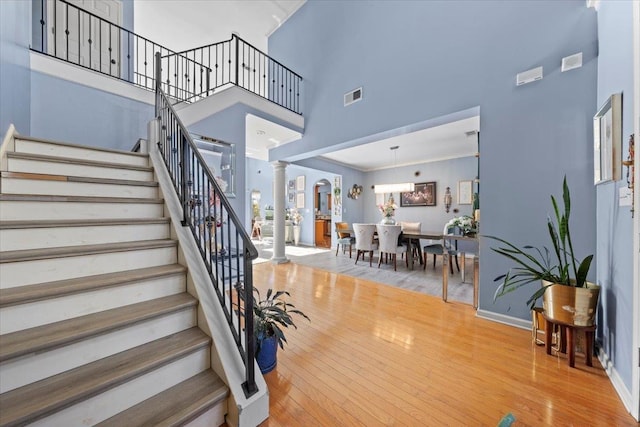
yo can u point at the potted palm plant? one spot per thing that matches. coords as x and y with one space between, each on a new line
567 295
270 315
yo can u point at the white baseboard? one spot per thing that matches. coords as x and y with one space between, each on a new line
504 319
624 393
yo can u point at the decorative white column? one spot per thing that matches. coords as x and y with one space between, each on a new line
279 197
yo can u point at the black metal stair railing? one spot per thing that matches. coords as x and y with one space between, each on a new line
224 244
237 62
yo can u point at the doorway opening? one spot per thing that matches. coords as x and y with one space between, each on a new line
322 212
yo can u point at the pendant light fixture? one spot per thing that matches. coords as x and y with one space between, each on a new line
394 188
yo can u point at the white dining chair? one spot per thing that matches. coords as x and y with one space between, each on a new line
388 241
364 240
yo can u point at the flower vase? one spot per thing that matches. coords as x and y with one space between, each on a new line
296 234
388 220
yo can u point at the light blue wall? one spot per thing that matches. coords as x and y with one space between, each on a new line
66 111
614 236
229 126
15 83
421 60
444 173
52 108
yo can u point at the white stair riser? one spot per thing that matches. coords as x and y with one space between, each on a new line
73 169
212 417
23 316
34 238
37 366
82 153
27 210
48 270
115 400
72 188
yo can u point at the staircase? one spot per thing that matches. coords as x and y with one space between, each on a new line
96 325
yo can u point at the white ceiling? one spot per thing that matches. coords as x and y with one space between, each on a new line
185 24
448 141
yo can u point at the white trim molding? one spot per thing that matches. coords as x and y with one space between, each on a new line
504 319
616 380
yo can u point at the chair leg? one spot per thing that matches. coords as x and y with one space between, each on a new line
337 248
358 252
370 257
349 251
434 261
395 257
380 260
450 265
424 264
457 265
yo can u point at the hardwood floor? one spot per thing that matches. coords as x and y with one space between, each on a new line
377 355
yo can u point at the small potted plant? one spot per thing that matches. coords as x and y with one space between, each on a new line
270 315
566 293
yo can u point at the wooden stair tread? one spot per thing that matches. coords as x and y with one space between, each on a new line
83 199
52 394
57 334
79 179
71 160
175 406
85 147
66 251
30 293
40 223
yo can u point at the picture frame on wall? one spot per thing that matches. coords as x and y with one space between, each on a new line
292 185
424 194
292 197
607 141
300 201
300 183
465 192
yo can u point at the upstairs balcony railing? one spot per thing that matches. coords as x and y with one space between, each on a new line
67 32
237 62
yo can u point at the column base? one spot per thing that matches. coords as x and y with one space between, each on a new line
282 260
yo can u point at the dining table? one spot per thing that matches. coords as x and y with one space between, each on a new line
412 236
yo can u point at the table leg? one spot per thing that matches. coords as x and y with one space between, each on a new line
462 269
476 279
445 275
409 253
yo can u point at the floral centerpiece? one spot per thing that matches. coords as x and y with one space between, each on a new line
465 223
388 210
295 216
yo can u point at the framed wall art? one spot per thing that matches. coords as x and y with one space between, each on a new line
465 192
424 194
300 183
607 141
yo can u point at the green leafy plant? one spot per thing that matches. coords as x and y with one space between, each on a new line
559 266
271 314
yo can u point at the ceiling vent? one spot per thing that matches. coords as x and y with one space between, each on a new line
529 76
571 62
352 96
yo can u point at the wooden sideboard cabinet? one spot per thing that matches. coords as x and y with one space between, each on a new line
323 233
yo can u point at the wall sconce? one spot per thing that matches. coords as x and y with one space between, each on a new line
631 170
447 199
355 191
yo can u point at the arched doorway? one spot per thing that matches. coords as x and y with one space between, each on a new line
322 211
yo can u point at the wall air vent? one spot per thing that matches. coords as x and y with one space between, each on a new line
529 76
571 62
352 96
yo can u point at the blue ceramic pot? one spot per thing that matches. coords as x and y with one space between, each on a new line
267 357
